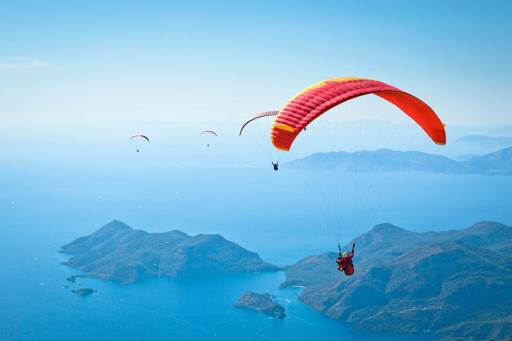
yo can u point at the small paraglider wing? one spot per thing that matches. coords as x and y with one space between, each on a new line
319 98
208 132
258 116
140 136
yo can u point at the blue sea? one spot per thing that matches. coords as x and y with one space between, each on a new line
284 216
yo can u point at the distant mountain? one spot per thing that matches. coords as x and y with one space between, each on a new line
385 160
470 145
497 163
501 131
484 142
455 284
119 253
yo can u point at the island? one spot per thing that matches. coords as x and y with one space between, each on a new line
117 252
455 284
73 278
262 303
83 291
386 160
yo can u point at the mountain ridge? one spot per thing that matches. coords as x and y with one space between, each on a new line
444 282
387 160
120 253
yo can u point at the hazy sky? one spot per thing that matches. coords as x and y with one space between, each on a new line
71 64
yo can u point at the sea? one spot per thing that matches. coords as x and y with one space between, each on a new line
284 216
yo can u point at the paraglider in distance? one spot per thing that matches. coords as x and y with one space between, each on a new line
139 136
208 132
275 165
258 116
314 101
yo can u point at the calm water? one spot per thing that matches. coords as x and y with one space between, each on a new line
284 216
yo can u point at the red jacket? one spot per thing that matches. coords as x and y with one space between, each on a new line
345 264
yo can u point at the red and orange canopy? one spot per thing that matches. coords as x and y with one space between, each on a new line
319 98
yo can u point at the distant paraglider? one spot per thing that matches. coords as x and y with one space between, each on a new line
275 165
208 132
258 116
139 136
314 101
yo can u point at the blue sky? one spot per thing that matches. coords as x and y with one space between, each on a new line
71 64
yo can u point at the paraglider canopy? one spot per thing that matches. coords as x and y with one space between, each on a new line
140 136
314 101
208 132
257 116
